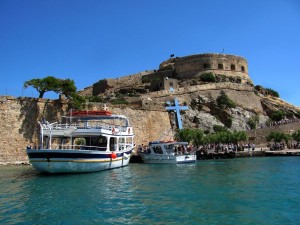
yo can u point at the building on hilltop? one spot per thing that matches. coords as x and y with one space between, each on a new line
193 66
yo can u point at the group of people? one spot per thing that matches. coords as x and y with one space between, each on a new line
226 147
283 121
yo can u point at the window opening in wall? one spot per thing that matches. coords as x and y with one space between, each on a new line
243 69
171 84
232 67
220 66
206 66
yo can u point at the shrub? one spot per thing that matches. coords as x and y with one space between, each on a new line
119 101
208 77
94 99
223 101
218 128
277 115
253 121
272 92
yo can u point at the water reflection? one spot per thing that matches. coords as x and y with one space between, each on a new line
240 191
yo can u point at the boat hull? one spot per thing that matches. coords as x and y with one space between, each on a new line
76 161
167 159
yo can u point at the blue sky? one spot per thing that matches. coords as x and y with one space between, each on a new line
90 40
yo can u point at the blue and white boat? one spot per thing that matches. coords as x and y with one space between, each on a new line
85 141
168 152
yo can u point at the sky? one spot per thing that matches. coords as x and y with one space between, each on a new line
91 40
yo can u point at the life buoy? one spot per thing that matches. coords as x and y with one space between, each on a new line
113 130
113 155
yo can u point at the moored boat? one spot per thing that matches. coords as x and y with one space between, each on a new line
168 152
85 141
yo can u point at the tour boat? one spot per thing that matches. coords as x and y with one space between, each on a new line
84 141
167 152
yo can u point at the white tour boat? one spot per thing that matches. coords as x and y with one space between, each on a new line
167 152
87 141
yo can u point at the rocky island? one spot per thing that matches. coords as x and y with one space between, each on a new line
201 82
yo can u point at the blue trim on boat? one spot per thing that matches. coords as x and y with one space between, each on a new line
71 155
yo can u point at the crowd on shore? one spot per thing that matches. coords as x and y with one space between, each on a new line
277 123
208 148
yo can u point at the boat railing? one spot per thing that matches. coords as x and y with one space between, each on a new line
78 147
61 126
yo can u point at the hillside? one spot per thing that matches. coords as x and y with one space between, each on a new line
216 88
198 88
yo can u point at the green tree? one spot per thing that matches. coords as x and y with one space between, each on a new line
59 86
296 136
184 135
76 101
219 128
198 137
43 85
277 137
67 87
238 136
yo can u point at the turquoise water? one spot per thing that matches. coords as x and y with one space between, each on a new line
232 191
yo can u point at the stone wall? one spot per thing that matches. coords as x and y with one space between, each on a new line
18 124
19 127
241 94
258 136
102 86
195 65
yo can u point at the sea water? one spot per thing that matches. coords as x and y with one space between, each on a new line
233 191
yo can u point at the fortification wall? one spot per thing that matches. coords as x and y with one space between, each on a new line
102 86
18 124
259 136
241 94
19 127
195 65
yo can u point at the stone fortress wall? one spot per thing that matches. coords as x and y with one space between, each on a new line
19 126
195 65
102 86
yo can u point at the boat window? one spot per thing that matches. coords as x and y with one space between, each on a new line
113 144
168 146
98 143
129 140
79 142
157 149
121 143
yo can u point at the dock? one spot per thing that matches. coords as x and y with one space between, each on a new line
284 152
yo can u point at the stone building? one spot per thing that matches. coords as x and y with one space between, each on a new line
195 65
164 83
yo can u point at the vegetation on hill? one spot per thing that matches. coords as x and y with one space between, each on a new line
266 91
224 101
197 137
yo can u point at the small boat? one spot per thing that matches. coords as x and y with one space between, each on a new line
85 141
168 152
